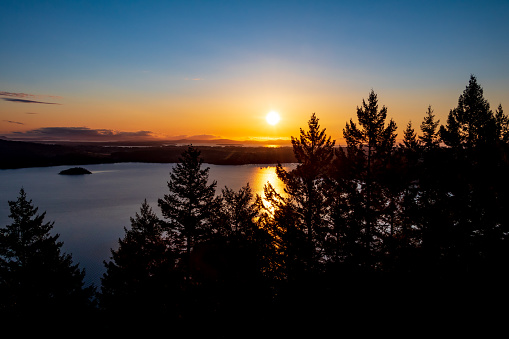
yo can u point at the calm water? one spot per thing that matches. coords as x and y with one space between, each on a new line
91 211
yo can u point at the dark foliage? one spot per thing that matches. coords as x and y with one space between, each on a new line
366 237
188 208
38 283
139 276
75 171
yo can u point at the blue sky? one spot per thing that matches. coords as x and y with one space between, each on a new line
216 67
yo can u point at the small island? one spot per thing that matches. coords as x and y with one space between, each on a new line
75 171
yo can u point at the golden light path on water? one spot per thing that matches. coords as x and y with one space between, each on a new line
266 175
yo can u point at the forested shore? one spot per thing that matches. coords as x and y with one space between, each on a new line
389 236
23 154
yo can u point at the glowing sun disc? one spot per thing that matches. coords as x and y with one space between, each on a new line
273 118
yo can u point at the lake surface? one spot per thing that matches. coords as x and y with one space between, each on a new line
91 211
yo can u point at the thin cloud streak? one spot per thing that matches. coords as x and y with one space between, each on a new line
13 122
26 95
22 98
25 101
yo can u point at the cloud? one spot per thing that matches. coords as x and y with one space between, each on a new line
82 134
30 101
21 97
16 95
13 122
26 95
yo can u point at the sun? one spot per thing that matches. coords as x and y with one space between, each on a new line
273 118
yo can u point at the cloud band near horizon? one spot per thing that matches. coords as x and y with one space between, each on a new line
80 134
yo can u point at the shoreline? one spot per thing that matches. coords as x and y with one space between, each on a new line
20 154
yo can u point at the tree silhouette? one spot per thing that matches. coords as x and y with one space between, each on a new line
140 277
238 232
237 213
502 121
472 122
372 132
188 208
410 140
304 186
370 145
274 219
430 133
37 280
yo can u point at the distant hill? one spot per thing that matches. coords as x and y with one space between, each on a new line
19 154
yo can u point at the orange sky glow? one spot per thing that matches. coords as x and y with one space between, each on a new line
214 70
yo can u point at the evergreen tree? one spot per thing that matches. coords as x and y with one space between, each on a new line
370 145
304 185
139 276
345 244
430 133
502 121
37 280
188 208
410 140
372 134
237 213
275 220
472 122
451 134
237 232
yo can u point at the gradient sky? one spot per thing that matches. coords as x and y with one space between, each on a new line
216 68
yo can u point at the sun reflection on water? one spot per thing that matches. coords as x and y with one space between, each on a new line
267 174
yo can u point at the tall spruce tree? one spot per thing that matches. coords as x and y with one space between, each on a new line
410 140
502 121
37 279
430 133
304 185
472 122
372 135
370 144
189 206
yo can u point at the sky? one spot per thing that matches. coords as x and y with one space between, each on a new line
213 69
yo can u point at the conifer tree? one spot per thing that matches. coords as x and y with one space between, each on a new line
502 121
36 278
372 133
472 122
371 144
410 140
189 206
137 277
288 252
304 185
237 213
430 133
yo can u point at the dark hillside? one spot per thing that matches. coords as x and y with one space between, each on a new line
18 154
210 154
